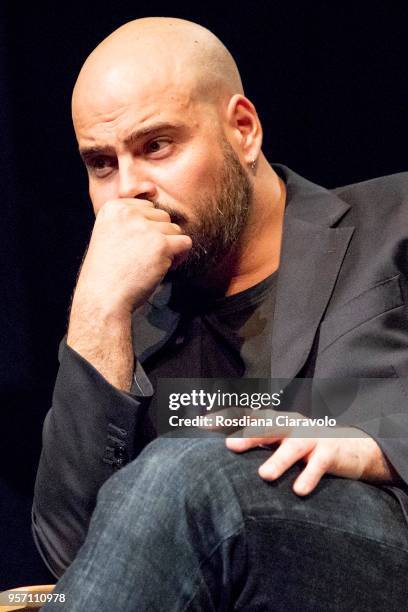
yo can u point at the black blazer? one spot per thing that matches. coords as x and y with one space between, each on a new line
341 311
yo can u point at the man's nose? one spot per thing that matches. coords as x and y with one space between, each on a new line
135 184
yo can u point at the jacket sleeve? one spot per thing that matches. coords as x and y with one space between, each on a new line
372 360
91 430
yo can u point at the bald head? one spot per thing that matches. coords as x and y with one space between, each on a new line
160 115
152 54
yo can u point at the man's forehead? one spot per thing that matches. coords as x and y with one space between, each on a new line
113 101
129 77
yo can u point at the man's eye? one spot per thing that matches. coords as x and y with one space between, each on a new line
155 146
99 165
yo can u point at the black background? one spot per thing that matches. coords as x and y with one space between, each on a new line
329 80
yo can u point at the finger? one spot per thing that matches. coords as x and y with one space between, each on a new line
168 228
179 244
136 202
288 453
317 465
157 214
241 444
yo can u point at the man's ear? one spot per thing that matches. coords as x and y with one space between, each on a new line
245 127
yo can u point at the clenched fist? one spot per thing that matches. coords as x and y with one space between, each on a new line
132 247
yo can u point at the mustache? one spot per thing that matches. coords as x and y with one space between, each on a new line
175 216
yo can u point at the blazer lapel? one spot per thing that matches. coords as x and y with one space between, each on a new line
311 257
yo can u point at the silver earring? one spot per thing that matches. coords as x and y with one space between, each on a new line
253 165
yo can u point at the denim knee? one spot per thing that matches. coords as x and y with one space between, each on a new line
178 480
168 462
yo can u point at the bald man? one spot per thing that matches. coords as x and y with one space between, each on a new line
180 279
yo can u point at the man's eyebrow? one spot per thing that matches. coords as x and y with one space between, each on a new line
151 129
133 138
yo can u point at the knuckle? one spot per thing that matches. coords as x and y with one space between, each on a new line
304 445
107 207
112 209
295 445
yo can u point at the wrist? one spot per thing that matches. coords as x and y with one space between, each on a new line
104 310
94 324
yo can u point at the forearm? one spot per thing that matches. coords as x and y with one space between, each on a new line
92 429
104 338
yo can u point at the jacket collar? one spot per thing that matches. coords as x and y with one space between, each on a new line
311 256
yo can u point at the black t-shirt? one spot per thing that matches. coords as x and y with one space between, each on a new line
224 338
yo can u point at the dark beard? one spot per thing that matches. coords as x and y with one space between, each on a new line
222 218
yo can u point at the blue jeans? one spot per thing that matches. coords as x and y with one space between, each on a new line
190 525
